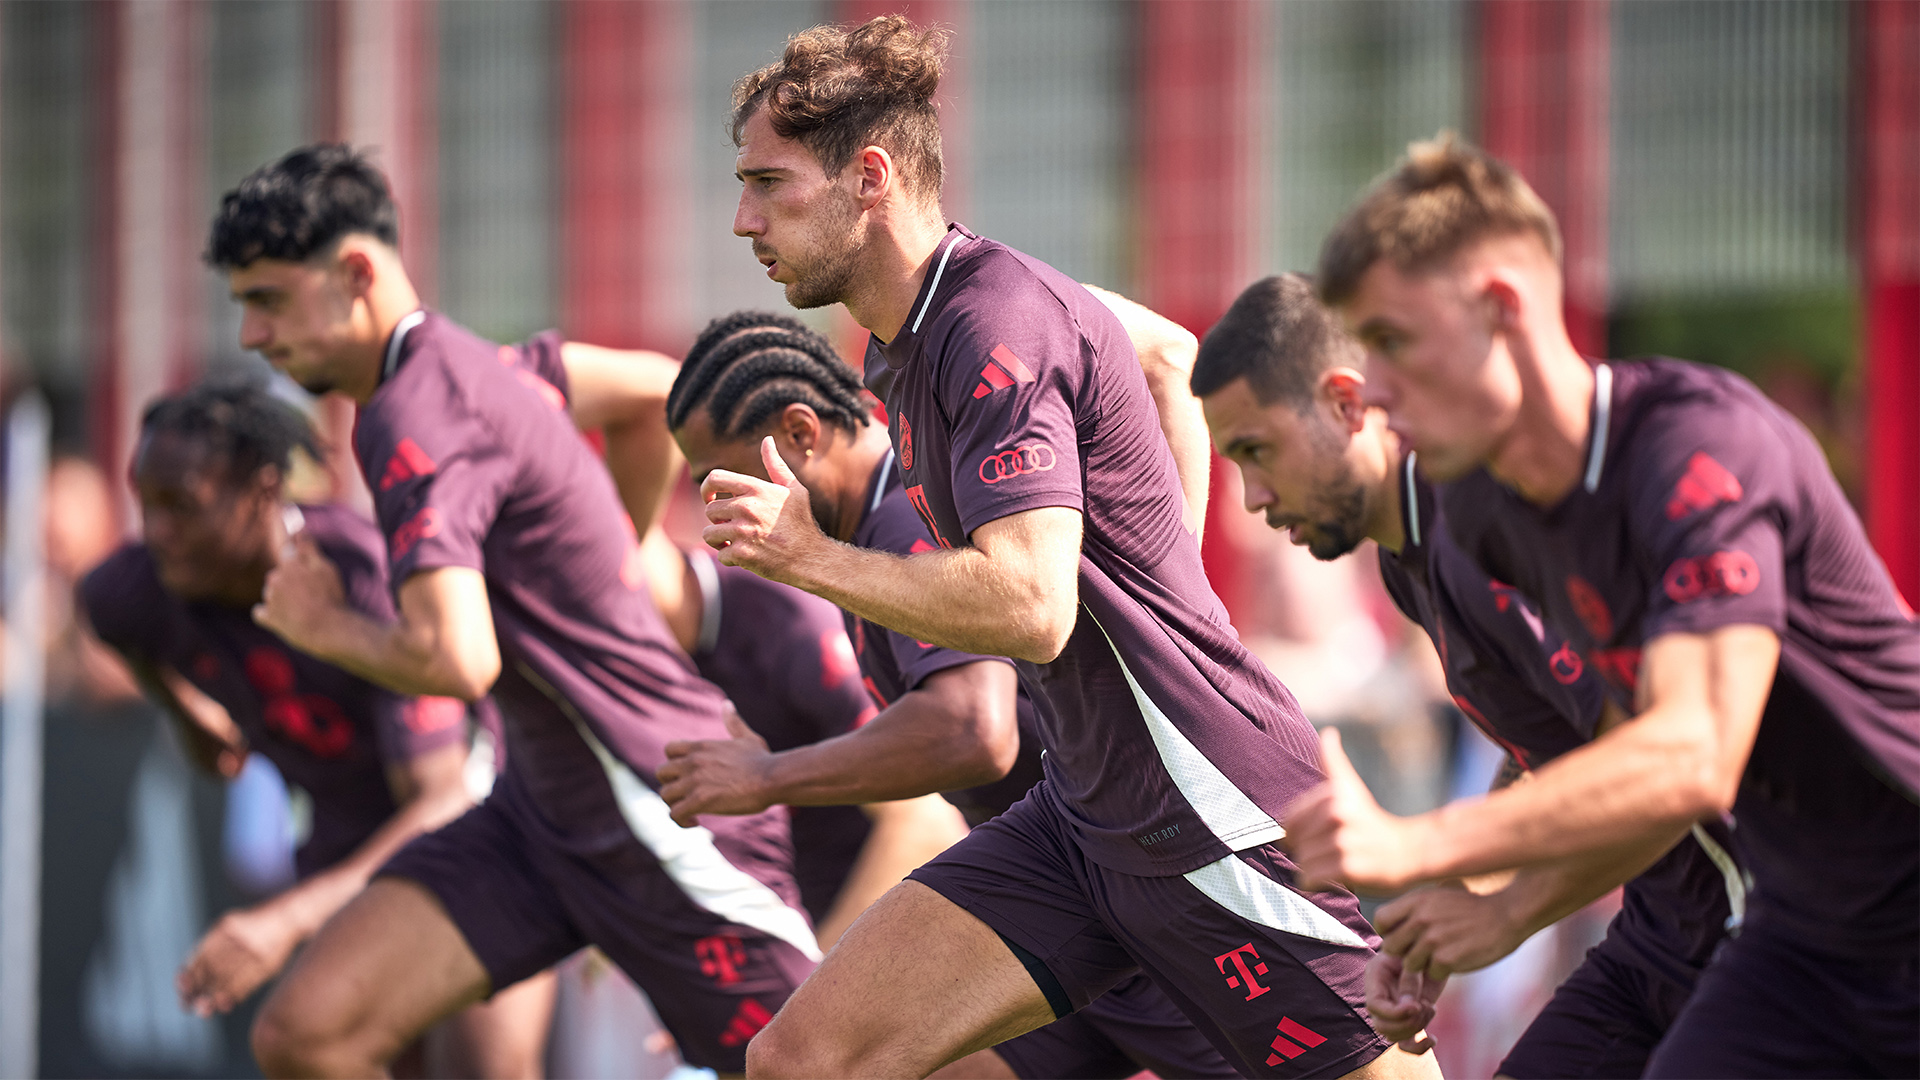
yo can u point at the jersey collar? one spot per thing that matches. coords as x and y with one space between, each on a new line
396 339
957 237
1602 413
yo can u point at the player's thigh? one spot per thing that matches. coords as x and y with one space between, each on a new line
502 1038
915 983
378 973
1603 1021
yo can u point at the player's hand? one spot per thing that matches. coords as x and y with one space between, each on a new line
1401 1002
302 596
716 776
1338 833
244 949
766 526
1445 928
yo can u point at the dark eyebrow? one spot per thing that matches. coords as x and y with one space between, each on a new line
258 292
742 174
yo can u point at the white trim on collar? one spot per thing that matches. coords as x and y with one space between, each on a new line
880 488
958 239
1413 501
1602 413
393 343
708 575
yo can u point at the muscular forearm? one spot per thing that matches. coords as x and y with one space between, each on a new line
1542 894
901 754
401 656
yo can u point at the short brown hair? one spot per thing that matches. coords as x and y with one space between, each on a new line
1445 194
1278 337
837 89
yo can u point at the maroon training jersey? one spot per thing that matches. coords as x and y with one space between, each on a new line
474 463
783 658
1168 745
1705 505
1530 692
330 733
892 664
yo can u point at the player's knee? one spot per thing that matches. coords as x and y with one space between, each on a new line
298 1035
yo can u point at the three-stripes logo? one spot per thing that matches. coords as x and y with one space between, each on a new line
1294 1039
1002 370
746 1023
408 461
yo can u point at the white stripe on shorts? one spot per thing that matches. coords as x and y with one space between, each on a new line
1256 897
689 855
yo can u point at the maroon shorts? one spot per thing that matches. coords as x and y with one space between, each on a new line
1129 1028
1273 977
1768 1006
523 904
1603 1022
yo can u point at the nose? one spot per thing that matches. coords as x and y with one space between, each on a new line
1254 495
255 332
746 222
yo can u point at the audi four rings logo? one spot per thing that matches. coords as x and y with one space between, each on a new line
1018 461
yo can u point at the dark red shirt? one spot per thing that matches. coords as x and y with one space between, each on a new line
1528 690
1705 505
330 733
1012 388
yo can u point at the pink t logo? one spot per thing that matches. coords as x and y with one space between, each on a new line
1245 978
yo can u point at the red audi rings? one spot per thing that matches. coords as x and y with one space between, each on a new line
1018 461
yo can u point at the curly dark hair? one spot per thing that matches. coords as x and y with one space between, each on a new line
748 366
837 89
297 206
238 421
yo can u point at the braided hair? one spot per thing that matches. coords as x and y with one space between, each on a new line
748 366
238 422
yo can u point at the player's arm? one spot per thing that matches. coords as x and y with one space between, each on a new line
213 741
1679 760
442 644
1014 592
906 833
250 945
958 728
1167 351
623 393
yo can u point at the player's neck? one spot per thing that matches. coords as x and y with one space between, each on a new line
898 258
391 299
1543 455
247 585
1387 511
864 458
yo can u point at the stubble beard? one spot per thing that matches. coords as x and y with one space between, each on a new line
829 278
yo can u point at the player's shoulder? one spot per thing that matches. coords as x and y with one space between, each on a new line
747 595
1696 434
996 290
123 594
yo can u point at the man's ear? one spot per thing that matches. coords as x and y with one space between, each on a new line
800 426
356 270
877 176
1502 298
1341 391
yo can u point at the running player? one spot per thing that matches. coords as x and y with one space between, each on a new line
1029 445
1686 535
949 717
381 768
1278 378
784 660
515 571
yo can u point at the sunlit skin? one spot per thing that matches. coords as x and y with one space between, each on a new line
1327 474
1452 351
325 321
213 537
832 464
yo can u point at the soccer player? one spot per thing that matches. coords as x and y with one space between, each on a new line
516 572
1685 533
210 468
783 658
1029 445
1280 381
949 717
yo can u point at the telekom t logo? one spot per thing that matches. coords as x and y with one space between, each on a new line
721 958
1245 978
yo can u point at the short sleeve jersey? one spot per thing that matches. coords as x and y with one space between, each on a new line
474 463
1705 505
328 732
893 664
1527 689
1013 389
783 658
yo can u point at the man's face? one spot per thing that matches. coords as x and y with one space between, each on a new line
805 226
1294 467
297 315
199 525
1435 363
705 452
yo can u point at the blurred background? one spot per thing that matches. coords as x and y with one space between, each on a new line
1738 182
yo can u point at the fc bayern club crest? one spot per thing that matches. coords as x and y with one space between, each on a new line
906 444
